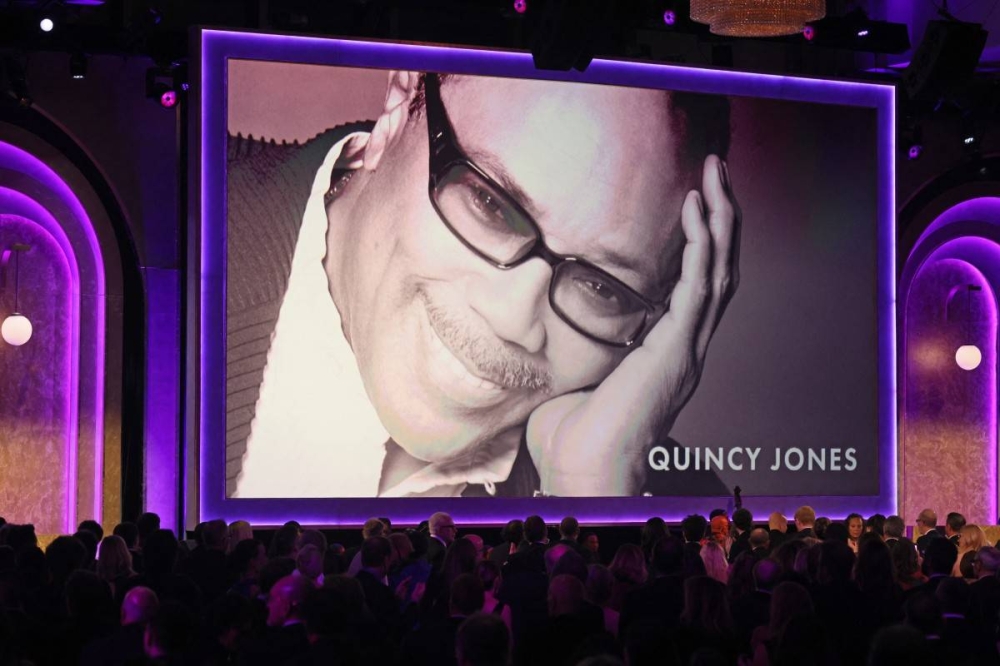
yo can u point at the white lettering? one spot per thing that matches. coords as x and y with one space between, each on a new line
819 459
788 459
710 456
659 459
732 463
852 462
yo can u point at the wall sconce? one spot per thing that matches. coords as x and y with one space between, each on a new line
16 329
968 356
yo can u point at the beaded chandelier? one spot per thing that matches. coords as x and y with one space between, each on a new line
757 18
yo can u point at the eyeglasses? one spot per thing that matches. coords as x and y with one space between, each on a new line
491 223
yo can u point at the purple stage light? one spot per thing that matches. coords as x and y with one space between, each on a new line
168 99
520 6
809 33
863 33
670 17
209 346
916 150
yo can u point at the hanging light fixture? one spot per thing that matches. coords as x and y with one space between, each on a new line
16 329
757 18
968 356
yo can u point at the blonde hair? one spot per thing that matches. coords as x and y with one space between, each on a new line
239 530
114 560
971 537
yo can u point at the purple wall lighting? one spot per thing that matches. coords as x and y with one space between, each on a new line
210 347
80 247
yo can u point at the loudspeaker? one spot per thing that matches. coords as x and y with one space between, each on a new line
945 61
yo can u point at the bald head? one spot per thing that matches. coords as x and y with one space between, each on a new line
139 606
759 538
285 599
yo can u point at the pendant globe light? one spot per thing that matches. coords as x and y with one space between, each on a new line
16 329
968 356
757 18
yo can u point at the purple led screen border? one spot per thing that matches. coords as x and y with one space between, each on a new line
210 92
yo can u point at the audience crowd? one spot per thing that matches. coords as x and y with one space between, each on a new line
719 590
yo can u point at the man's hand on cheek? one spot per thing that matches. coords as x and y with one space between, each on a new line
595 443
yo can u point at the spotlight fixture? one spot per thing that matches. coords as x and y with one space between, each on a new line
520 6
809 32
168 99
162 85
16 329
669 17
46 24
78 65
915 151
913 139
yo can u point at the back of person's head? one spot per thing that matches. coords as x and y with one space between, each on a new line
788 600
788 552
904 558
570 563
894 527
874 571
477 542
971 537
898 645
668 556
215 535
743 519
629 564
64 556
375 552
927 519
923 612
955 521
652 531
759 538
534 529
987 560
146 524
139 606
566 595
89 541
285 542
243 555
374 527
876 524
171 632
836 562
805 517
939 557
954 595
129 533
402 546
348 593
693 527
310 562
488 573
274 571
239 530
600 584
21 537
569 528
822 523
482 640
115 560
740 574
93 527
87 596
420 542
706 606
159 553
466 596
285 598
777 522
513 531
460 558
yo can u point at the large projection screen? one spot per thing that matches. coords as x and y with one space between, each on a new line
438 279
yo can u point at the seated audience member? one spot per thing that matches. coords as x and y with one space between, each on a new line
742 524
629 570
855 525
482 640
953 525
925 529
777 526
432 643
598 592
970 539
239 530
511 537
894 529
660 601
906 564
114 564
715 561
206 565
591 547
706 620
760 543
169 636
788 601
805 521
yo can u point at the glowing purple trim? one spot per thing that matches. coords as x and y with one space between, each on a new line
16 203
25 163
217 46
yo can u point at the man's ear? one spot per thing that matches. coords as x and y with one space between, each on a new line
402 88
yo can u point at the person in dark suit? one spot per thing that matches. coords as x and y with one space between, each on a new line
742 524
893 530
777 529
926 529
805 523
432 643
984 597
511 536
525 579
953 525
403 331
442 533
381 601
285 638
660 601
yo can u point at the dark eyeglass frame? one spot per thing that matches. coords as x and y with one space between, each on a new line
445 153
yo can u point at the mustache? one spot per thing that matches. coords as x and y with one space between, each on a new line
492 359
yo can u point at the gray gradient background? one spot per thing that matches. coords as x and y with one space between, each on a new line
793 362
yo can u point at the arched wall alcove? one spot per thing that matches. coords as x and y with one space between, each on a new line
80 308
948 416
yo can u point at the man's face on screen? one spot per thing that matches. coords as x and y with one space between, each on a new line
454 351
